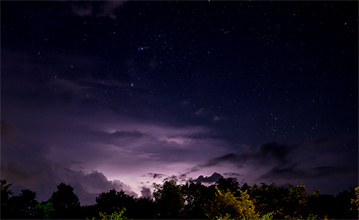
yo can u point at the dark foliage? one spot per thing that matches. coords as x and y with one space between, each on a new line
192 200
228 184
114 201
169 200
5 199
195 196
23 205
65 202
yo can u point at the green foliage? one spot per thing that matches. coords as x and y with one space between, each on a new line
355 201
114 216
44 210
117 215
312 217
267 216
226 205
268 199
225 217
297 202
289 203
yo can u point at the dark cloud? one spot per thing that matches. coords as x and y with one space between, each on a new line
306 162
134 134
23 175
232 174
271 153
193 169
294 173
77 162
146 193
173 177
155 175
318 163
231 158
225 158
182 176
209 179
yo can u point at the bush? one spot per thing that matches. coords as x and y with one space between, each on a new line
225 205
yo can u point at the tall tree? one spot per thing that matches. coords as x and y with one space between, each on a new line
6 193
23 205
44 210
196 196
226 205
65 202
228 183
269 199
345 204
169 199
297 202
114 201
147 207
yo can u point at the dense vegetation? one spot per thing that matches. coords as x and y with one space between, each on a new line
225 199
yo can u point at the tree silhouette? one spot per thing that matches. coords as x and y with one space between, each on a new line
196 196
147 209
191 200
269 198
5 198
65 202
169 199
114 201
23 205
228 183
346 207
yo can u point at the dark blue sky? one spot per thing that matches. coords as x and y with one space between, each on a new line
119 91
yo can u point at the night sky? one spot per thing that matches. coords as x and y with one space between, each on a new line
103 95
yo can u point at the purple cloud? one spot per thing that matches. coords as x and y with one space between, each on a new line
146 193
209 179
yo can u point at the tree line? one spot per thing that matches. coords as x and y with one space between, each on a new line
225 199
